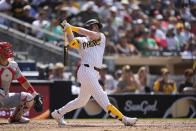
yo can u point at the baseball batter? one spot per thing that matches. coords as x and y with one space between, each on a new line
91 49
9 70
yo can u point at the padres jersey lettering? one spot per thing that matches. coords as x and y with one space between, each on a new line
91 51
90 44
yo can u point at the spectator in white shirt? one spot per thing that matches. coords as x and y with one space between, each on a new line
172 40
40 23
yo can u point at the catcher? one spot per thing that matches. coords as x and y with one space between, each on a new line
23 101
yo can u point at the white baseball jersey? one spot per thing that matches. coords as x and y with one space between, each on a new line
9 73
91 51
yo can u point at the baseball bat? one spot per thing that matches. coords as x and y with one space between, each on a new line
65 47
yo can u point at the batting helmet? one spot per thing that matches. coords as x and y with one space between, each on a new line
91 22
6 49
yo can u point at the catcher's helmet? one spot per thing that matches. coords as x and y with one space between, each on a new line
6 49
91 22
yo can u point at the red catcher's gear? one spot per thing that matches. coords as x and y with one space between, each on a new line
6 48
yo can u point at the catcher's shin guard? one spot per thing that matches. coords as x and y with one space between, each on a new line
2 95
114 112
25 105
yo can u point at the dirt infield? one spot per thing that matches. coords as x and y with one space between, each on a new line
101 125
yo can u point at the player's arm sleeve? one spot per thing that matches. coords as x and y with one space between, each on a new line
18 72
24 82
156 85
75 43
82 31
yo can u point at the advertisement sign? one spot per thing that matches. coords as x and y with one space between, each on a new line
157 106
142 106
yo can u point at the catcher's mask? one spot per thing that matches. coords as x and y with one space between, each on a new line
6 49
89 23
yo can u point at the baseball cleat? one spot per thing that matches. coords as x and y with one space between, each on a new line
57 116
127 121
19 121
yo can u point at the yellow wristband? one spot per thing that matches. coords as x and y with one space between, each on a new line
69 31
74 28
74 44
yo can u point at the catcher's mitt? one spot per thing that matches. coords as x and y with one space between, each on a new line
38 103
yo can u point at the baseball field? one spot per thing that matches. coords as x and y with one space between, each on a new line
102 125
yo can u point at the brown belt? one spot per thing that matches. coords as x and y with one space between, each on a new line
95 68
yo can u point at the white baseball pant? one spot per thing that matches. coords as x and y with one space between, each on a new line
88 77
22 101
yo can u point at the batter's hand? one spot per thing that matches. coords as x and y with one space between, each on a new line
63 24
65 28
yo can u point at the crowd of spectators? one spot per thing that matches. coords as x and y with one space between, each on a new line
130 82
133 27
126 80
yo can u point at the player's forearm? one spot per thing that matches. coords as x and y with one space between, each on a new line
26 85
73 43
29 88
70 35
82 31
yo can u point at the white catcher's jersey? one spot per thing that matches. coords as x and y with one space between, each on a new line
91 51
9 73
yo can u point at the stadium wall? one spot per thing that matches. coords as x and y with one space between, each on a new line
58 93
